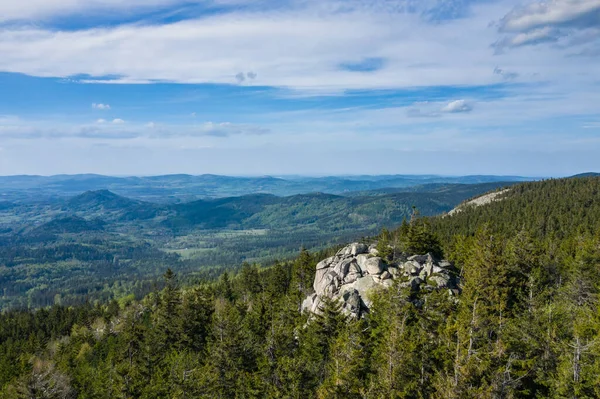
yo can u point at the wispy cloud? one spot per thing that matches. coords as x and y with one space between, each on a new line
100 106
549 21
375 46
118 129
457 106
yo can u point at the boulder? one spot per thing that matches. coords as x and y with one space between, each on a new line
308 303
439 280
361 260
351 302
354 272
324 264
374 266
364 286
342 267
427 258
412 267
358 248
319 282
328 285
418 258
394 271
436 269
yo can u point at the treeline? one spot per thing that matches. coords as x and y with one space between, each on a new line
525 325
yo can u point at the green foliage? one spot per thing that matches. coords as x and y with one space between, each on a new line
100 246
524 325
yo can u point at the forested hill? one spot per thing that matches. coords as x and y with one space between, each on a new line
523 321
559 208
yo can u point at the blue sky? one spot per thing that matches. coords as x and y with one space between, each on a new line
300 87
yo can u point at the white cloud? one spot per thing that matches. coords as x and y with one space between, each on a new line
551 21
100 106
285 48
226 129
117 129
40 9
457 106
582 13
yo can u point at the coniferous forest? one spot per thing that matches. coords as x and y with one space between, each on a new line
525 324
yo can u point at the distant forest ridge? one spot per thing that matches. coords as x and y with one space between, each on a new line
181 187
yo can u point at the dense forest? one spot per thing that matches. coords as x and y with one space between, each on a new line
524 325
98 245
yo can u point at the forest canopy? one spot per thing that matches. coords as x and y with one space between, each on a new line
525 324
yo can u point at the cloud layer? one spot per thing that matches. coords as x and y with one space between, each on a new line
413 75
550 21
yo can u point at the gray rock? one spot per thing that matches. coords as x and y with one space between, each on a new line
324 264
364 286
319 282
428 268
394 271
358 248
361 260
328 285
374 251
353 273
437 269
351 277
412 267
439 280
418 258
351 302
427 258
342 267
308 303
375 266
346 251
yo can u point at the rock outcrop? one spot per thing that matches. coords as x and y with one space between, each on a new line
356 270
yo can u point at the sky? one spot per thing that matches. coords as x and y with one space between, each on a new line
315 87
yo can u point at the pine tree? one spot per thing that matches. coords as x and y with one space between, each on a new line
303 273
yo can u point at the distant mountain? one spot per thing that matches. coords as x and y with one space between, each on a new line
588 174
325 212
115 207
100 199
185 188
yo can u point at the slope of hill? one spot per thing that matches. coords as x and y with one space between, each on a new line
514 314
100 200
60 241
69 224
560 206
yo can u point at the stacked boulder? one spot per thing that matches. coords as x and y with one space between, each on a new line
356 270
